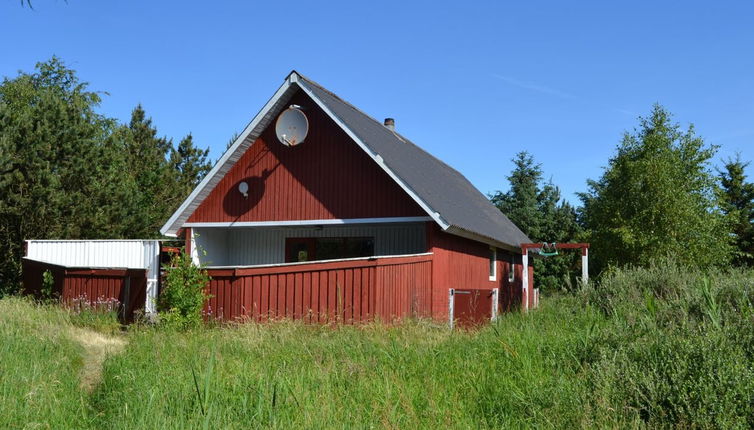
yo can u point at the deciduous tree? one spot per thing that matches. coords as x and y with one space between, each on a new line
656 198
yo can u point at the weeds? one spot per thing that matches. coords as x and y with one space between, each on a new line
661 346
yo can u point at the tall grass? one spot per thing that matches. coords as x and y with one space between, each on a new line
285 375
650 347
39 364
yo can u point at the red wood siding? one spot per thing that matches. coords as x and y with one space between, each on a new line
346 291
326 177
93 287
462 263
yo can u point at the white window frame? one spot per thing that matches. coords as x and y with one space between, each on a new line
493 261
511 271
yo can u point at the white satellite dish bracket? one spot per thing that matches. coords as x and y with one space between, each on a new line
292 126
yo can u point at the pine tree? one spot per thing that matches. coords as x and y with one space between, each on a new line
656 198
189 165
542 215
58 170
738 206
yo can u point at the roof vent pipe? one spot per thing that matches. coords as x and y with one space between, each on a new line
390 124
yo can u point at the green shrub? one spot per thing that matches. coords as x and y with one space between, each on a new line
184 293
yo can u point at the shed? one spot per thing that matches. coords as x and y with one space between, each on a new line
93 272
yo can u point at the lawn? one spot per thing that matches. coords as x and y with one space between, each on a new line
657 347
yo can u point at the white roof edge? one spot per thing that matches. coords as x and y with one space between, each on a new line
436 216
170 228
457 231
310 222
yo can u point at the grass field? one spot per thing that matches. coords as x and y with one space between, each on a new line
658 347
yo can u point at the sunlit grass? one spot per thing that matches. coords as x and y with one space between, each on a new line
652 347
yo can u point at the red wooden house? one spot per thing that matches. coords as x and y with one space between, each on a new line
355 223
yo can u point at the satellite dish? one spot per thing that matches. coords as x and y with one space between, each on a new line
243 188
292 126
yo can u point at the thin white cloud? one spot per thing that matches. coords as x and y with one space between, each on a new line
533 86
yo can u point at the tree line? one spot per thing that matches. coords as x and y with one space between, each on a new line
69 172
659 197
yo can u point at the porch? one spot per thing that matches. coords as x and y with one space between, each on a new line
277 244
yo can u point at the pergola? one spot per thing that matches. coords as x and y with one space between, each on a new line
525 247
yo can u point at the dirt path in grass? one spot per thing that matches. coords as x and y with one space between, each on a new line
97 347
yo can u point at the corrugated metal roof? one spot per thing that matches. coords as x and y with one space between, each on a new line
132 254
447 196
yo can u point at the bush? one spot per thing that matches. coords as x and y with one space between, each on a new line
184 294
676 348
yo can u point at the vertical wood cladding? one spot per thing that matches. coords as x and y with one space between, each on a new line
93 287
462 263
326 177
346 291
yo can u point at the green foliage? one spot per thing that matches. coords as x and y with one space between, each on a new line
68 172
738 207
48 286
655 347
184 293
676 348
538 210
40 368
657 198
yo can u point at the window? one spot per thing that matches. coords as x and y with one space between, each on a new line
493 264
327 248
511 271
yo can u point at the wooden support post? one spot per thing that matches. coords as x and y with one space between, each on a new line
494 303
451 296
126 297
525 279
585 265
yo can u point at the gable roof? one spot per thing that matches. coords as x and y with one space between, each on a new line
444 193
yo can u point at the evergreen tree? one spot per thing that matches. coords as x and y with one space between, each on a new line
58 170
542 215
738 206
68 172
189 165
656 198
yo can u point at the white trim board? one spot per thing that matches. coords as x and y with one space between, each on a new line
337 260
310 222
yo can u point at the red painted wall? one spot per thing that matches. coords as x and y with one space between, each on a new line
346 291
81 286
462 263
326 177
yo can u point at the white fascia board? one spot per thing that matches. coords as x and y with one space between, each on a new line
376 157
308 222
171 226
484 239
337 260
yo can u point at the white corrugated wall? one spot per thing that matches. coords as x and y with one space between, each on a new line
250 246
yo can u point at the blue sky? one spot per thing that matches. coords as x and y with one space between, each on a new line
471 82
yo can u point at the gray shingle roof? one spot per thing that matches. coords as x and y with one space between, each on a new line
441 187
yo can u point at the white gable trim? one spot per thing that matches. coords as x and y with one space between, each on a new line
247 138
225 162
